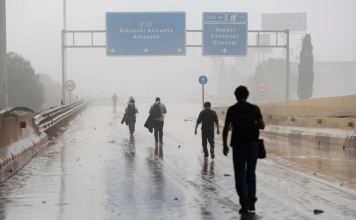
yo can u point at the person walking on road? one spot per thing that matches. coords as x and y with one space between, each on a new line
158 111
114 100
208 117
246 120
131 112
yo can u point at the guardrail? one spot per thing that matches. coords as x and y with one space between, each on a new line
21 137
47 119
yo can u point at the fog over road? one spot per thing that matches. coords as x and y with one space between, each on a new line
94 170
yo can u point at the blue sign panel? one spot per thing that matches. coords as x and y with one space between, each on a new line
203 80
145 34
225 34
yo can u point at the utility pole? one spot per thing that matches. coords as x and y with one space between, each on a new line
64 52
3 62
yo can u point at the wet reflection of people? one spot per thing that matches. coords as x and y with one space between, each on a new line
208 184
129 147
159 150
208 177
132 140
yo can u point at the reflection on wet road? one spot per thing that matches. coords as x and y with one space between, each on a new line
95 170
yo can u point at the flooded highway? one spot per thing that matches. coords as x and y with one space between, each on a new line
95 170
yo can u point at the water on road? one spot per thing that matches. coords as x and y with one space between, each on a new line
95 170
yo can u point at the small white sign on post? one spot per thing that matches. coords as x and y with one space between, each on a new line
262 87
69 85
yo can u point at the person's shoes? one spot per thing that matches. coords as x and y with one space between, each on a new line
212 154
251 208
243 209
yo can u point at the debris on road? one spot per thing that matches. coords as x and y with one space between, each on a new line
317 211
227 175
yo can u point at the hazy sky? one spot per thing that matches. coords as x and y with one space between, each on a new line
331 23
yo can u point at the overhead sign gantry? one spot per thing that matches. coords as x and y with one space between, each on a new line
173 42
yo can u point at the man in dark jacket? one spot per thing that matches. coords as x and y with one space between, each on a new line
207 117
246 120
131 112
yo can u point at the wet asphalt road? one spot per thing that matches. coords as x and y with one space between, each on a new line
94 170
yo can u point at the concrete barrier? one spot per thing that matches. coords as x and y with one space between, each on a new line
299 120
19 141
331 131
342 106
21 137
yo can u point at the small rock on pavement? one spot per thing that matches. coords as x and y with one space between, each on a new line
317 211
178 146
175 198
44 202
227 175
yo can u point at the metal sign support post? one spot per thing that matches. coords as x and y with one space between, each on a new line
64 65
203 95
3 62
64 51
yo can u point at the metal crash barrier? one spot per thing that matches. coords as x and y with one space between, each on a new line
47 119
23 134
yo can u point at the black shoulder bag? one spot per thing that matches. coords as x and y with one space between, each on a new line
261 149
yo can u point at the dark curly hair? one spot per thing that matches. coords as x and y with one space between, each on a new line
241 92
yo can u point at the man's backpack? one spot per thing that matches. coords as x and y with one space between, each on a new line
156 111
131 110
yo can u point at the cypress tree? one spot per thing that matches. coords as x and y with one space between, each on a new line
306 72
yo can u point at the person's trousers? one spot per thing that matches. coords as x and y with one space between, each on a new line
114 105
132 126
207 135
245 160
158 127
